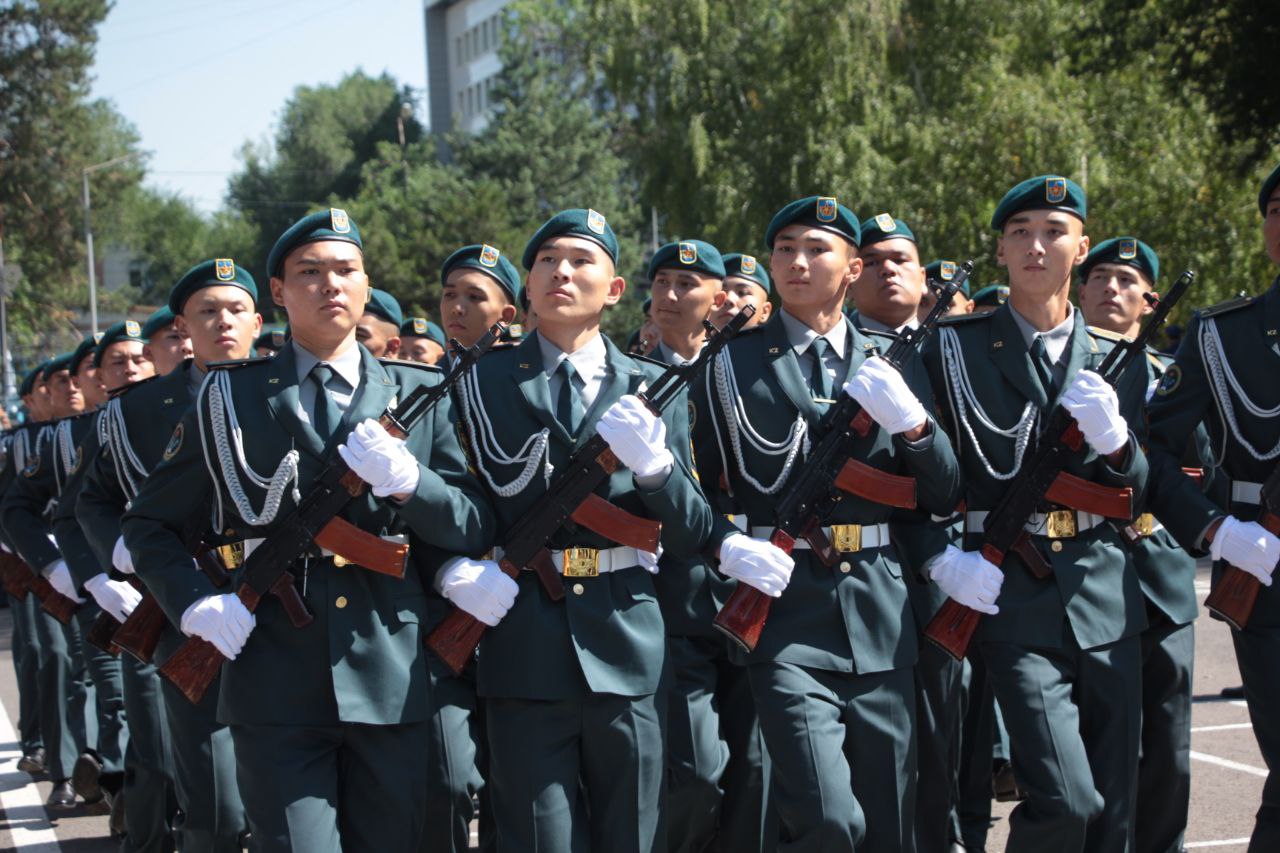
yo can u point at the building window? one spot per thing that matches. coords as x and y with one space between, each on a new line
457 49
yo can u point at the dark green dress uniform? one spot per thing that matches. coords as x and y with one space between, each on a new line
1223 376
183 742
718 768
1063 653
322 716
572 688
17 446
832 673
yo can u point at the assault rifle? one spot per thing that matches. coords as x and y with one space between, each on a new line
828 474
19 579
1236 591
315 522
1042 479
571 496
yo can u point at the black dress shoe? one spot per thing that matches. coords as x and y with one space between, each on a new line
33 762
1232 692
84 778
1005 787
62 796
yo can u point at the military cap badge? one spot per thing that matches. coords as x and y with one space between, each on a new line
688 253
277 337
595 221
885 222
1002 294
826 209
1128 248
748 264
488 256
1055 189
132 329
338 220
224 269
97 337
947 270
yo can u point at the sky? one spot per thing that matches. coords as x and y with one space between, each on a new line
199 78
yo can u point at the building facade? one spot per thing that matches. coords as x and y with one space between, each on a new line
462 61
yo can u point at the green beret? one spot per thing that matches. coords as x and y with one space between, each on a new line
272 338
1129 251
488 260
29 381
746 266
414 327
945 271
331 224
884 227
818 212
84 350
1046 192
157 322
695 255
576 222
220 271
1268 190
59 362
992 294
126 330
384 305
435 333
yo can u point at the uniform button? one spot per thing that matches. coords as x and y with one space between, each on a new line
229 532
1056 546
341 602
845 567
579 589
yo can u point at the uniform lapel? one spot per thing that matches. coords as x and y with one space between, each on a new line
282 400
785 366
622 373
531 381
1271 318
1008 352
372 395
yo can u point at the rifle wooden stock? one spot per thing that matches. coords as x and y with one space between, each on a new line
1236 591
101 635
1086 496
951 628
744 615
601 517
363 549
140 633
53 602
860 479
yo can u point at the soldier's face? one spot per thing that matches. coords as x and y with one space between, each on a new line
323 288
1111 297
812 267
37 406
222 323
65 398
572 282
470 303
682 300
736 294
416 348
124 363
168 348
1040 248
960 304
892 281
95 393
1271 228
380 337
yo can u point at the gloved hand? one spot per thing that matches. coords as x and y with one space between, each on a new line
380 460
222 620
882 391
1092 402
117 598
59 577
649 559
637 437
757 563
121 558
968 578
480 588
1248 546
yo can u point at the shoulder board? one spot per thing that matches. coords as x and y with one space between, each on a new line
397 362
125 389
635 356
1226 307
957 319
1157 360
501 345
232 363
1108 335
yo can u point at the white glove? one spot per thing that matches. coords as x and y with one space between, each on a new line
222 620
757 563
1092 402
121 558
117 598
967 578
637 437
480 588
380 460
649 559
1248 546
59 577
881 390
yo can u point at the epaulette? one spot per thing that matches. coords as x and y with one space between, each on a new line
957 319
1108 335
404 362
232 363
501 345
124 389
1226 307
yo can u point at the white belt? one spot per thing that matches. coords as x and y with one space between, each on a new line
251 545
872 536
1246 493
607 559
976 520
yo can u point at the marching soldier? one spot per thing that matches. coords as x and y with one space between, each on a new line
886 297
1223 376
379 328
745 283
572 687
1062 653
166 347
478 287
832 672
316 711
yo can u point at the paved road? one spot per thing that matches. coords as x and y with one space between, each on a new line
1226 782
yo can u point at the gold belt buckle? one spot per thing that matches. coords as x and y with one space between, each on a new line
581 562
232 555
1144 524
1061 524
846 538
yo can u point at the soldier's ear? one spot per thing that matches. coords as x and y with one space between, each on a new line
277 290
1000 261
1082 250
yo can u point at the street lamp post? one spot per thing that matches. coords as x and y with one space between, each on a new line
88 234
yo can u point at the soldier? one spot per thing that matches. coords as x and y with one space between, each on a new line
1223 376
314 712
571 687
478 287
379 327
166 346
271 341
887 294
832 672
960 302
422 341
1062 653
990 298
745 283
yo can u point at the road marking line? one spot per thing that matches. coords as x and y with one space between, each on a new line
1229 764
1222 728
1225 843
19 795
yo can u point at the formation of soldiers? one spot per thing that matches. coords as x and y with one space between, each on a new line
393 489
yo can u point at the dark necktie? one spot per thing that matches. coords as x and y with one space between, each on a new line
1044 366
325 414
569 401
819 378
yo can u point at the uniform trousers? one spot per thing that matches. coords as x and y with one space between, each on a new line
148 787
26 664
939 711
453 755
1164 768
62 693
1258 654
108 695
